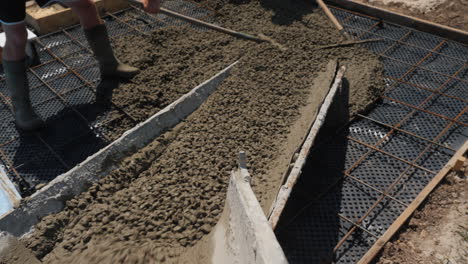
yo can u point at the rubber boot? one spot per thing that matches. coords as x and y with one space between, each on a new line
109 65
17 82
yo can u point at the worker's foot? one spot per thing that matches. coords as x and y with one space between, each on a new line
17 82
109 65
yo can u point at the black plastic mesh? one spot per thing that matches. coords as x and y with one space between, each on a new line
311 227
62 92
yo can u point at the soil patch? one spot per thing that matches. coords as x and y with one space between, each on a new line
169 195
438 231
446 12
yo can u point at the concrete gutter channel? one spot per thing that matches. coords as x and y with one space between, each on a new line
247 234
52 198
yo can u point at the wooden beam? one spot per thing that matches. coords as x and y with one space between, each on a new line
404 20
401 220
56 17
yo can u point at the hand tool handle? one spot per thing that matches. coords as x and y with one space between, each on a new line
204 24
333 18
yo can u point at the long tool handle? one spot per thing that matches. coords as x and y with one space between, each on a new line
204 24
333 18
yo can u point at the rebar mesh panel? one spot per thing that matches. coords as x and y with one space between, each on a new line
423 40
377 46
456 135
187 8
314 233
24 149
79 60
43 54
390 31
445 106
5 113
76 33
442 64
60 44
90 74
425 125
340 15
455 50
406 53
66 83
50 70
390 112
80 98
382 217
141 20
403 146
41 170
378 170
408 94
41 94
394 68
367 131
422 61
5 92
116 28
410 185
63 94
426 79
78 149
8 128
64 128
49 109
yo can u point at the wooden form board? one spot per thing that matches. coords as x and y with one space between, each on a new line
404 20
56 17
401 220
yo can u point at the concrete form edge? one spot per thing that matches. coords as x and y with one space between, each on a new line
52 198
247 237
403 20
285 190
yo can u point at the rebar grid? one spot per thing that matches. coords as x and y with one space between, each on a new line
67 73
393 191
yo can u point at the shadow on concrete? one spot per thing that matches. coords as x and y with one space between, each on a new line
69 137
287 12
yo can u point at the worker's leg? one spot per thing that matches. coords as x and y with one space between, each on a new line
15 45
12 14
98 40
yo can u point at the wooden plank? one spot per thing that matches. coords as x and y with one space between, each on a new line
56 17
375 249
459 164
404 20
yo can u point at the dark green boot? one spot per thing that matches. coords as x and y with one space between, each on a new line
17 82
109 65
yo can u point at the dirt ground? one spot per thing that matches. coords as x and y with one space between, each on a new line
438 232
451 13
169 195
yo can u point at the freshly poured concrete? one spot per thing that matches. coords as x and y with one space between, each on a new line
52 197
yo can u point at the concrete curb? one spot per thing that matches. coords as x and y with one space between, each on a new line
244 235
52 198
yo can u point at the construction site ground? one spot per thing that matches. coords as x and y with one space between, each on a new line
438 232
170 194
163 201
446 12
